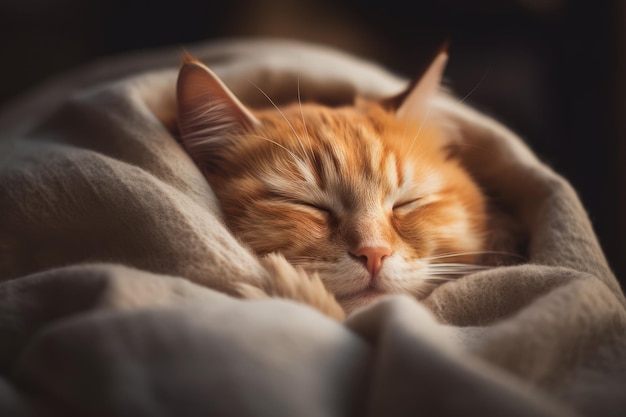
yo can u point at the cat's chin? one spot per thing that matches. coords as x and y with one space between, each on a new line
351 302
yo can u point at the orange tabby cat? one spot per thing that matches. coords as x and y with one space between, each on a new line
367 196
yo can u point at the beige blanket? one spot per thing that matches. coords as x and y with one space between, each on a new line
112 249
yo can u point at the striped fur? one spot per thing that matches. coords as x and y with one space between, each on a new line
313 183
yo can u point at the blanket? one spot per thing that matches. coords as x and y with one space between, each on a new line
114 259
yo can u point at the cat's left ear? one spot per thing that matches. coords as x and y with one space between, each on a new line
415 100
207 110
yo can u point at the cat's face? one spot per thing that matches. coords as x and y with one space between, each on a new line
368 200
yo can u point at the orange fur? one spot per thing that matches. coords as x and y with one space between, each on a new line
315 184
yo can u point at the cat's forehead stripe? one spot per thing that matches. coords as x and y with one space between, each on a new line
345 158
351 162
391 170
392 175
332 156
407 176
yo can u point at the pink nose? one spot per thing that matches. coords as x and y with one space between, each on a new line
372 257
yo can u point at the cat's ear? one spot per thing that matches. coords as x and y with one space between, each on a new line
415 100
208 111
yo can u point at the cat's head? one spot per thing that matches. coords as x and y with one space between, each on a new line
366 195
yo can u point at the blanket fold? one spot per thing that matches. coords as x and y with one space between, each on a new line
115 264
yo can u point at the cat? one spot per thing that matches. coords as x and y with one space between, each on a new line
365 199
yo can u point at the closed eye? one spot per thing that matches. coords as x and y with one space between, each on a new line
408 204
279 197
315 206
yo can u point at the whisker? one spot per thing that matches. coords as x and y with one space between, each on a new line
476 86
419 130
299 162
301 259
306 131
442 266
455 254
282 114
439 280
451 270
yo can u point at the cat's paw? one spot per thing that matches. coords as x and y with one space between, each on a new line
290 283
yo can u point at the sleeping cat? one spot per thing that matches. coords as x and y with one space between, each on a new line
369 197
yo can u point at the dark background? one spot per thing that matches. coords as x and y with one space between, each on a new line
552 70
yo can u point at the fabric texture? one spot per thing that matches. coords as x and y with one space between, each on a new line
113 264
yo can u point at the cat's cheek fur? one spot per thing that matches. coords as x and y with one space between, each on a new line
272 229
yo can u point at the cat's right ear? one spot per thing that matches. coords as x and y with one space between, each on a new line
208 111
414 102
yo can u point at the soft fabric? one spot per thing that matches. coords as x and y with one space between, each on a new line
113 261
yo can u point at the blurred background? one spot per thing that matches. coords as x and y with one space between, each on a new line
552 70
